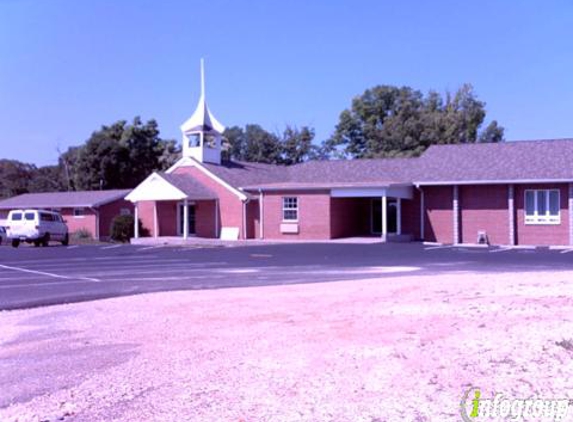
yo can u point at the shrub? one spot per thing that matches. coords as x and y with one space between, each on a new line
122 228
82 234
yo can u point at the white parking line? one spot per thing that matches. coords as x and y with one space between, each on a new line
566 251
111 247
25 270
148 248
500 250
73 247
431 248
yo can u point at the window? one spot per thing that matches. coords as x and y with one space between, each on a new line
17 216
79 212
125 211
542 206
29 216
290 209
46 217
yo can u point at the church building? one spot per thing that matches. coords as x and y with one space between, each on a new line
508 194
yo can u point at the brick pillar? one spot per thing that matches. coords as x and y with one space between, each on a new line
456 212
570 203
511 213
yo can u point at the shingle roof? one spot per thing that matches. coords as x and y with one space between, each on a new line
516 160
189 186
315 173
63 199
239 174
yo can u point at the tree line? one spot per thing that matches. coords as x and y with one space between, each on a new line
385 121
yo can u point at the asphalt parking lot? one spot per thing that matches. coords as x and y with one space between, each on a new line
32 277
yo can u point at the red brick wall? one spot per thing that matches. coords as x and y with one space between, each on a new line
108 212
313 218
439 218
349 217
541 234
484 208
253 222
411 215
145 210
230 206
166 217
86 222
205 218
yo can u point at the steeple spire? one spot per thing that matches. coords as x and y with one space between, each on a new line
202 132
202 78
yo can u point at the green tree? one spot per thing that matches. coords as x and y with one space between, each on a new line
296 144
47 179
121 156
492 133
15 177
389 121
253 144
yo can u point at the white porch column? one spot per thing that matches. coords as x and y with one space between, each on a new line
456 212
422 215
511 212
398 216
384 219
136 220
261 215
155 220
185 218
570 203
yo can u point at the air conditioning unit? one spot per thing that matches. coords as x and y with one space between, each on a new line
482 238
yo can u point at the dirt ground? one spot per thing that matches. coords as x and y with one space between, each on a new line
392 349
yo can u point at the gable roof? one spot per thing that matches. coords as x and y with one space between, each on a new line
189 186
89 199
545 160
513 161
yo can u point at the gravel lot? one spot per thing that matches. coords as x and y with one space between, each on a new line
388 349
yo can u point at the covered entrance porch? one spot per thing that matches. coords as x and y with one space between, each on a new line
167 205
370 212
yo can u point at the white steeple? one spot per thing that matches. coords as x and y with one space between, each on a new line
202 132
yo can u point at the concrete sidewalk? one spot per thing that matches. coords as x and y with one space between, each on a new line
205 242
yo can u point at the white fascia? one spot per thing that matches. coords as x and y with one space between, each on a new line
190 162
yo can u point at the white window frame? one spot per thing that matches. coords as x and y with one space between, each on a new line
542 219
289 207
82 210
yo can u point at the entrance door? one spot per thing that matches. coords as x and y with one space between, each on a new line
181 213
391 215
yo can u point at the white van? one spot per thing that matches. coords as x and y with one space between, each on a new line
36 226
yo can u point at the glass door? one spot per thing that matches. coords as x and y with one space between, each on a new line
391 215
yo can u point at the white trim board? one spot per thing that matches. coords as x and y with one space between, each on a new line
155 188
491 182
190 162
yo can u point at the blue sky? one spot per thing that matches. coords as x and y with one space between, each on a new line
68 66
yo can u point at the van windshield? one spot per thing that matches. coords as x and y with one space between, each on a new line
17 216
29 216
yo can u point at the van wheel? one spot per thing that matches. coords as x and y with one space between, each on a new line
15 243
46 240
66 240
36 243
